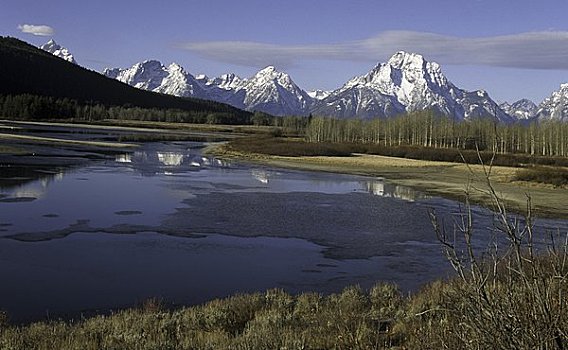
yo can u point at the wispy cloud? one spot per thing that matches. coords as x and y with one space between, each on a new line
41 30
533 50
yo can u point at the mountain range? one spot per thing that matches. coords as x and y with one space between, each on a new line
406 82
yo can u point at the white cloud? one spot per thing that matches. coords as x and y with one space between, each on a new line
533 50
41 30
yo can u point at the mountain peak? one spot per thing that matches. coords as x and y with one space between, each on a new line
522 109
176 67
319 94
268 70
555 107
229 81
275 92
53 48
154 76
407 83
403 59
270 73
151 63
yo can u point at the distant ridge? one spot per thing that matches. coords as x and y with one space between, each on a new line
26 69
57 50
522 109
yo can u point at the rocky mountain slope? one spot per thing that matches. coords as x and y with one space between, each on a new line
522 109
318 94
154 76
56 49
555 107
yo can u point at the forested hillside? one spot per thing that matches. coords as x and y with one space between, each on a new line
27 70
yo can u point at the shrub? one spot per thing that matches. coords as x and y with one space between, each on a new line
508 296
557 177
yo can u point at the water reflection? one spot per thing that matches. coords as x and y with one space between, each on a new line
28 191
382 189
32 189
283 181
170 158
123 158
260 175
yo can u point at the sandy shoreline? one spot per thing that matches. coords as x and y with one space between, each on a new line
437 178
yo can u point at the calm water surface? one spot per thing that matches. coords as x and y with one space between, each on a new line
166 221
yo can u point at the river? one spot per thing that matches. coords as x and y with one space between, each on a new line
165 221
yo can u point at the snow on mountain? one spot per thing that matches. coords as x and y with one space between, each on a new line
318 94
154 76
406 83
227 82
53 48
202 78
276 93
522 109
268 91
555 107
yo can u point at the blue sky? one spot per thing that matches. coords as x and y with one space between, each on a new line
511 48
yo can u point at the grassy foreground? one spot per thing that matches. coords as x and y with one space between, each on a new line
446 175
438 317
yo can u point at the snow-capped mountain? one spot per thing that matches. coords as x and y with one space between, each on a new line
318 94
154 76
522 109
406 83
268 90
276 93
555 107
227 82
52 47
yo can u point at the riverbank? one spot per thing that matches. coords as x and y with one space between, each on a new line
444 179
451 314
448 314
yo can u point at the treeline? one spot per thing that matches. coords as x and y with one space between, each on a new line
426 129
33 107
